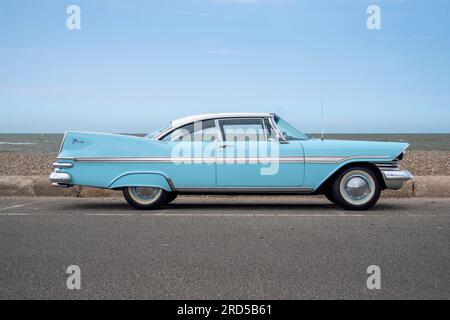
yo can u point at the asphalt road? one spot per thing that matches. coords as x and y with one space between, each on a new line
223 248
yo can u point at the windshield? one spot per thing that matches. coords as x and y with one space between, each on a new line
288 131
155 133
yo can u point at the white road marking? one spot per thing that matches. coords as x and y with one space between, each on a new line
14 214
17 206
109 214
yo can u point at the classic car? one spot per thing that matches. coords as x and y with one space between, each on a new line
232 153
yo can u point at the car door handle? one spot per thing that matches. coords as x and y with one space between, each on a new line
226 146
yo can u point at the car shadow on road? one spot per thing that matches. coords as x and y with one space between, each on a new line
220 207
210 207
238 206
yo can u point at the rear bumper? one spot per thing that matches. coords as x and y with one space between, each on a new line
395 179
60 179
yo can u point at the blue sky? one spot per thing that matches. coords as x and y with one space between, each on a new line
135 65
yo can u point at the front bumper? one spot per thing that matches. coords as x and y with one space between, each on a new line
60 179
395 179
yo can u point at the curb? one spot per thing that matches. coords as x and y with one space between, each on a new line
35 186
40 186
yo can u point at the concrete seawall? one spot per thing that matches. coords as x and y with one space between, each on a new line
422 186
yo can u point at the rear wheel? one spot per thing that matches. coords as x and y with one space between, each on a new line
145 198
356 188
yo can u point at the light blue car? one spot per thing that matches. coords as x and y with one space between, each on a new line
233 153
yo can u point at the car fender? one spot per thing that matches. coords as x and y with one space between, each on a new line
332 169
141 179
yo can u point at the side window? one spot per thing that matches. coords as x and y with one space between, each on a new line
205 131
208 133
242 129
271 134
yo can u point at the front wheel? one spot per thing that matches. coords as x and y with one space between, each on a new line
356 188
145 198
329 195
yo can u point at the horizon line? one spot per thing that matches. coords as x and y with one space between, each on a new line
144 133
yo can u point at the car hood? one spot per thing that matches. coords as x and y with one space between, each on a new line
348 148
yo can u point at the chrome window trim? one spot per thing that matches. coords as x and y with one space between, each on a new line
161 132
265 129
171 129
216 121
280 135
211 116
239 118
176 124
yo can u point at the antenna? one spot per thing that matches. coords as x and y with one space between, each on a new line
321 116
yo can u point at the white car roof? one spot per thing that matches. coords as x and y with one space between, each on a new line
209 116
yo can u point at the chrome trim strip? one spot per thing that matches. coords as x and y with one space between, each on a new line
311 160
260 160
189 160
389 166
325 159
337 160
59 165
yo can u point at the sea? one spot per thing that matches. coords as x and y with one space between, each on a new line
50 143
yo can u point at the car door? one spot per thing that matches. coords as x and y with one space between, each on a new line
192 151
251 156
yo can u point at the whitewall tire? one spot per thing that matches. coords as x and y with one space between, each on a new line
356 188
145 198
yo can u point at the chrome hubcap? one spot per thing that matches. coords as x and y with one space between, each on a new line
357 187
145 194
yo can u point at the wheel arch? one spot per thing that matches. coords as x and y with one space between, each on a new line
141 179
328 181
